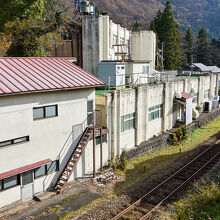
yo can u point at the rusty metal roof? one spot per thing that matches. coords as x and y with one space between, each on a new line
186 95
33 74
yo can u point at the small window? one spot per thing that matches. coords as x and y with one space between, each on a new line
40 171
27 177
38 113
98 139
11 181
5 143
89 111
1 185
50 111
14 141
22 139
45 112
122 67
155 112
53 166
127 122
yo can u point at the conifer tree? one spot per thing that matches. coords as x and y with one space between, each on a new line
202 50
166 29
188 45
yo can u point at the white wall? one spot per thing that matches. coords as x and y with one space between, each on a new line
143 46
97 39
140 99
53 138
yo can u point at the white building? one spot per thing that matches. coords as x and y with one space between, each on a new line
119 73
103 40
44 108
134 115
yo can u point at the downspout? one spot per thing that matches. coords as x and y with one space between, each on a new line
164 107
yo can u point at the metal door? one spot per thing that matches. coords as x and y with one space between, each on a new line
27 186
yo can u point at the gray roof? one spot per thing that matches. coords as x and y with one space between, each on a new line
204 68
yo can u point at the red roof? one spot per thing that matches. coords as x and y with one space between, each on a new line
31 74
24 168
185 95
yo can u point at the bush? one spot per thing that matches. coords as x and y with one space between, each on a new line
121 162
197 205
179 135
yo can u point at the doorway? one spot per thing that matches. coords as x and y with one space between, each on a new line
27 185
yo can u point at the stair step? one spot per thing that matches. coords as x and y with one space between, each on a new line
63 179
69 165
60 184
68 170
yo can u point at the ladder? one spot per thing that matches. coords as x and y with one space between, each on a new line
72 162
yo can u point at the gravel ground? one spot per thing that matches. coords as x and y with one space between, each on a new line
87 192
132 194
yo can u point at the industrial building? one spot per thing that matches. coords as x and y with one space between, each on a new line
136 114
46 104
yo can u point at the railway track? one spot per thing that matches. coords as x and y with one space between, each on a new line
144 207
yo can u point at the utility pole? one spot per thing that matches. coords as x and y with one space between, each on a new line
191 65
162 58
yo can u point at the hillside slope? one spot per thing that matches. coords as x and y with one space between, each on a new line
194 13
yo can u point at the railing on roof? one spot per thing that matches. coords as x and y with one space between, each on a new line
135 79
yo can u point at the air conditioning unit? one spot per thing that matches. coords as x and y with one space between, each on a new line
216 98
208 106
215 104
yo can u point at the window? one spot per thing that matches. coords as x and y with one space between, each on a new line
45 112
10 181
14 141
195 97
122 40
206 94
89 111
98 139
176 106
155 112
40 171
1 185
146 70
27 177
114 39
46 169
127 122
53 166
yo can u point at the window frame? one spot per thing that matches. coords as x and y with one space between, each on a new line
46 167
12 141
98 139
44 112
3 184
156 111
128 119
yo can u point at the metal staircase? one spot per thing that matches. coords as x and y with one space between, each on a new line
72 162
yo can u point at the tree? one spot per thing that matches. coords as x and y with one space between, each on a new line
167 32
188 45
30 25
202 49
136 26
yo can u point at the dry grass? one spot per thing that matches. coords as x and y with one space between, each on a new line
149 163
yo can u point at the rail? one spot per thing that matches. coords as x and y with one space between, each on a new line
138 202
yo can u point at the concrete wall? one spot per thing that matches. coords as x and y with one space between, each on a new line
53 138
97 37
143 46
139 100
